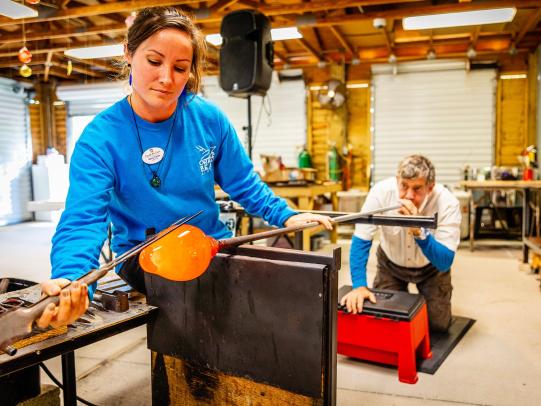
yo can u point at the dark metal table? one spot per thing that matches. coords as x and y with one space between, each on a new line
104 324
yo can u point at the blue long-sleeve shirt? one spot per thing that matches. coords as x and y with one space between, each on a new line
438 254
109 182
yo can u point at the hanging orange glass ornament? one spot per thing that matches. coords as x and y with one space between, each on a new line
25 71
25 56
33 1
69 68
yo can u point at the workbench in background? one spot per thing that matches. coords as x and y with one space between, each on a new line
530 205
303 197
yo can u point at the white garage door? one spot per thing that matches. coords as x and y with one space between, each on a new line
15 154
277 131
447 115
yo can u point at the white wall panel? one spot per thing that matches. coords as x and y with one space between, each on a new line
279 134
15 154
447 115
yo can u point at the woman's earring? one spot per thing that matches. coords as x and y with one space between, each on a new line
129 80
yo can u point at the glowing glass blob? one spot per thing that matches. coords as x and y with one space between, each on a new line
182 255
33 1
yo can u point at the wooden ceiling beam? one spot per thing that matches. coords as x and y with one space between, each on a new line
134 5
423 10
221 5
45 49
340 37
532 21
96 62
79 69
99 9
53 72
69 32
306 45
48 65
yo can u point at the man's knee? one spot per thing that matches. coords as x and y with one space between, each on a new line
439 324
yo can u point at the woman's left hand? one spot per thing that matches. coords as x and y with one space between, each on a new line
303 218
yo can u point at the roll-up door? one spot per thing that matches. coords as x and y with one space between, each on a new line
15 154
447 115
278 128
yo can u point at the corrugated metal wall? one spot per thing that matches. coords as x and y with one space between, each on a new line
15 154
447 115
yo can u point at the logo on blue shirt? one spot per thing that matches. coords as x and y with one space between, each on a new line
205 163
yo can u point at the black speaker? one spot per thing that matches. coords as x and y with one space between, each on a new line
247 53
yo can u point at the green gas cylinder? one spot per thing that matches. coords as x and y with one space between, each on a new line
305 161
334 168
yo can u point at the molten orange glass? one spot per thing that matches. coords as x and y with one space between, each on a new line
181 255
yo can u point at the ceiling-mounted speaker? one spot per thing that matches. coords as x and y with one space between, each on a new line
247 53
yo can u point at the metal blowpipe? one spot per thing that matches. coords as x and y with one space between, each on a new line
17 324
186 254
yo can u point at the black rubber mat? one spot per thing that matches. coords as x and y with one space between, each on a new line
442 344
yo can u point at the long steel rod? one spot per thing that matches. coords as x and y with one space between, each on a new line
368 218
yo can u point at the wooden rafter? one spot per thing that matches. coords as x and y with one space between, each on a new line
221 5
475 36
305 44
69 32
336 32
48 65
533 20
133 5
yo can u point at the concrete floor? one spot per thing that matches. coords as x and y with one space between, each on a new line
498 362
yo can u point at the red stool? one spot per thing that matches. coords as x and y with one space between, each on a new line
389 333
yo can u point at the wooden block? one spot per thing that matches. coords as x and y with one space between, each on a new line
180 383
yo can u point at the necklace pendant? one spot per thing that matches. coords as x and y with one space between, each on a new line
155 182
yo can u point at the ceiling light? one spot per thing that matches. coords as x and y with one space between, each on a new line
392 58
16 10
103 51
430 55
356 85
460 19
277 34
514 76
214 39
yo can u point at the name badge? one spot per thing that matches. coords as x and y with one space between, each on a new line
152 155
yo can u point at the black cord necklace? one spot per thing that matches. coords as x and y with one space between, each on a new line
155 181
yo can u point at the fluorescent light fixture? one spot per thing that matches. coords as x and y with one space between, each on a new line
103 51
277 34
214 39
460 19
515 76
356 85
14 10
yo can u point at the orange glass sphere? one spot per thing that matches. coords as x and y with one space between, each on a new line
182 255
24 55
33 1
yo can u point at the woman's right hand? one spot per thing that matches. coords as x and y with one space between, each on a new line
73 303
354 299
